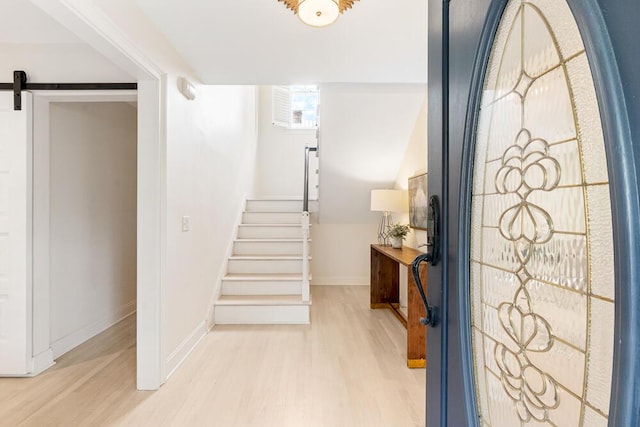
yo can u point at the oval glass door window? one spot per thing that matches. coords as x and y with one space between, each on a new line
541 245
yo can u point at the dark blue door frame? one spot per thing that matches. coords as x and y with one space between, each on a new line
460 37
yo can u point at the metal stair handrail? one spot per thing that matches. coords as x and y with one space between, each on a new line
305 227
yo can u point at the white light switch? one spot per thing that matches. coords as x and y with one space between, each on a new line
185 223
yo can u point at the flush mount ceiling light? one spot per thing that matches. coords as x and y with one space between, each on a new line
318 13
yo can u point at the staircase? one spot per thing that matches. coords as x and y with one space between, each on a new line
264 283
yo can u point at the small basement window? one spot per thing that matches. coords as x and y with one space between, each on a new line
295 107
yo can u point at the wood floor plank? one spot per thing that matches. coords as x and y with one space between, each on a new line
347 368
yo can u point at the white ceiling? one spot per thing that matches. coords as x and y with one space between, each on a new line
261 42
22 22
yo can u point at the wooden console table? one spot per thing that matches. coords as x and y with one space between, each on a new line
385 287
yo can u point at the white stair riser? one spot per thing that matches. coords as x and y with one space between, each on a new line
242 266
274 206
261 314
266 232
267 248
254 287
271 218
279 206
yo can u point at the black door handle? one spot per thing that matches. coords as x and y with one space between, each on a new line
431 312
432 257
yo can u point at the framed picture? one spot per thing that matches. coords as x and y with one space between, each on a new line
418 202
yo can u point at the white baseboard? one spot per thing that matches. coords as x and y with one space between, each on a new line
217 285
41 362
185 348
74 339
346 280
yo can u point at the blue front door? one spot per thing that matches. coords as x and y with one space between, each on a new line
535 156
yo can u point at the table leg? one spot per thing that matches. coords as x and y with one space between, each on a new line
416 332
385 276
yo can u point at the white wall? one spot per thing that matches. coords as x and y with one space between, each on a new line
92 219
58 63
211 146
341 253
365 132
280 165
414 163
32 41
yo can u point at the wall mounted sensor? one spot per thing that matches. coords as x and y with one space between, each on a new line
187 88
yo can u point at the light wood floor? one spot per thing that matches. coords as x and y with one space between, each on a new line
346 369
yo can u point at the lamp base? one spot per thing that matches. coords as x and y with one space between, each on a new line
383 229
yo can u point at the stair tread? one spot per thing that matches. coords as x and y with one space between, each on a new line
277 224
264 276
275 212
268 239
266 257
263 257
279 199
261 300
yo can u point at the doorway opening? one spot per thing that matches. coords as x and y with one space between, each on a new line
84 218
92 219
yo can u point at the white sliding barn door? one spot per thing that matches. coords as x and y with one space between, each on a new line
15 235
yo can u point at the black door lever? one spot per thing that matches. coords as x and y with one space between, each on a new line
431 312
431 257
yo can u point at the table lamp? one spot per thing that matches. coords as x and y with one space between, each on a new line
385 201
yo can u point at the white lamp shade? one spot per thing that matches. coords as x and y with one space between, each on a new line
318 13
387 201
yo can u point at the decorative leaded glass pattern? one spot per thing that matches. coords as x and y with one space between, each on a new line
541 216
